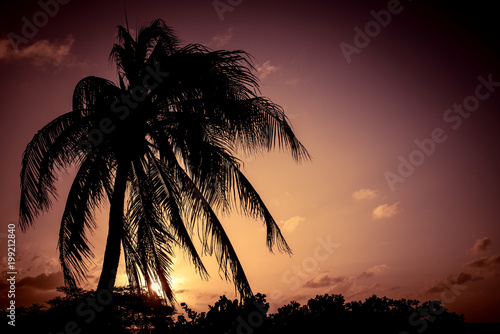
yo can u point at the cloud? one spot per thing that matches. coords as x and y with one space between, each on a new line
385 211
345 285
373 271
456 282
480 246
350 288
34 289
42 263
484 262
365 194
290 224
220 40
41 53
265 69
323 280
445 284
42 281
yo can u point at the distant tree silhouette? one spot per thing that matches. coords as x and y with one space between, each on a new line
143 313
132 312
161 148
374 315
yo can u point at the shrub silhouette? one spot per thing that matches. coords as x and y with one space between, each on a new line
140 313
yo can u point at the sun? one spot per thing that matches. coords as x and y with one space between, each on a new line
156 288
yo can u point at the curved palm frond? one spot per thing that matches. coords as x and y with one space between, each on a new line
213 237
37 184
92 182
169 199
153 241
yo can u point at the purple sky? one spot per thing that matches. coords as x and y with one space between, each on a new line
398 219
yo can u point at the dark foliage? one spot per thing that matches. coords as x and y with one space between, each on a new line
134 313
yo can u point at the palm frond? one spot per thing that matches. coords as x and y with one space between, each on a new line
169 198
93 94
213 237
252 203
153 241
37 185
89 188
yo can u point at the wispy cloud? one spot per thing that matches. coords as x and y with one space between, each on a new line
323 280
444 284
43 263
373 271
365 194
265 69
345 285
484 268
220 40
42 53
34 289
42 281
290 224
386 211
480 246
484 262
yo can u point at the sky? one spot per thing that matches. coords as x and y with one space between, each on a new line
397 102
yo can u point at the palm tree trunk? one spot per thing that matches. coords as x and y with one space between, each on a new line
113 243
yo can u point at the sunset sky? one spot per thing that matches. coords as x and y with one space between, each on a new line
401 198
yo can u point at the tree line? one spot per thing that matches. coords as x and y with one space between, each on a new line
75 312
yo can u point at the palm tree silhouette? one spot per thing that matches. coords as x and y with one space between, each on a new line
161 147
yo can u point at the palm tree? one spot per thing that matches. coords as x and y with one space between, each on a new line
160 147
